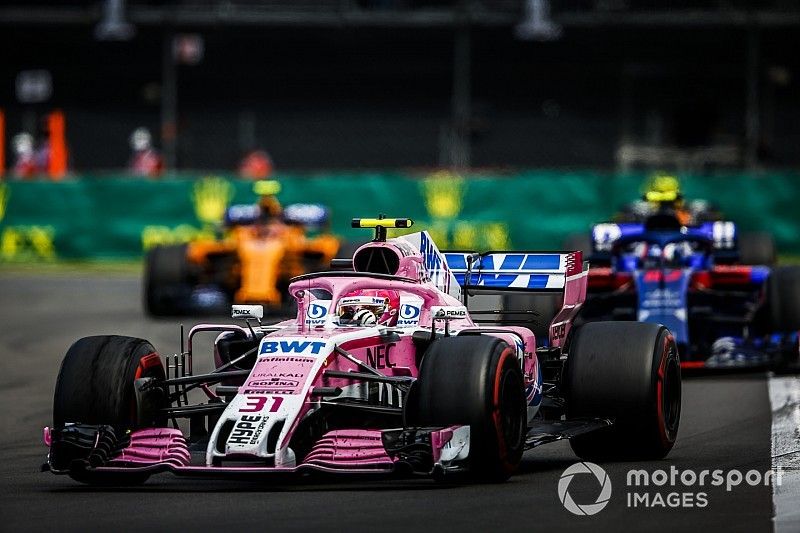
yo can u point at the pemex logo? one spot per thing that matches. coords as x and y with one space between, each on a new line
211 196
444 192
603 497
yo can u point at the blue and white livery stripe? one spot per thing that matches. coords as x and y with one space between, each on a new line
511 270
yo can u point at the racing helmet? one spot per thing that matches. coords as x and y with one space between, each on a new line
370 307
664 189
267 191
141 140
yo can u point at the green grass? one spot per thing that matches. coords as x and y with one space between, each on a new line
108 267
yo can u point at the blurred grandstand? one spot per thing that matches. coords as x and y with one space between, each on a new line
610 84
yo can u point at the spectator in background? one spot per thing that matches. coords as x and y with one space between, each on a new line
145 160
256 165
25 163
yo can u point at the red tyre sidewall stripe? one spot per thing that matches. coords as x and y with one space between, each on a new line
501 448
145 362
662 369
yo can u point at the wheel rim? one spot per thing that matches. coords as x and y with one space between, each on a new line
511 397
671 396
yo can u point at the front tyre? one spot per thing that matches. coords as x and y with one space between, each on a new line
95 391
96 382
628 371
475 381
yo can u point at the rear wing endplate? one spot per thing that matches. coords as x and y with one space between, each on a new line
532 272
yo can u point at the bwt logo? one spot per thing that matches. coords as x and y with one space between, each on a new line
316 311
313 347
409 312
434 264
588 509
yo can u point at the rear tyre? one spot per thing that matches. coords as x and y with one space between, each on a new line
475 381
166 280
95 387
782 310
628 371
784 299
757 248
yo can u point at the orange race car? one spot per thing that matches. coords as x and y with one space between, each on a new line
264 246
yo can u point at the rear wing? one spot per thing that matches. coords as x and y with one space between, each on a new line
518 271
527 272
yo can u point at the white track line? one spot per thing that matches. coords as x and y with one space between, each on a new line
784 396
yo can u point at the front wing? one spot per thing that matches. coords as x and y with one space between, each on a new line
103 454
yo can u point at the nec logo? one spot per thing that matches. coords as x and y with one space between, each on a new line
312 347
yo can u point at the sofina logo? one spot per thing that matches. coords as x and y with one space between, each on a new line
211 197
603 497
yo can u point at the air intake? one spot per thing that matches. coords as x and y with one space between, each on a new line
376 260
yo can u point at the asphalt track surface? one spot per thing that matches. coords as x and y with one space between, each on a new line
725 425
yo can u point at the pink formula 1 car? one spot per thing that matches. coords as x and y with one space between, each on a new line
384 370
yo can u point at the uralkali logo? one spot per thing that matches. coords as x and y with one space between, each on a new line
586 509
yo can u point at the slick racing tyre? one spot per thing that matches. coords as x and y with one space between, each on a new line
475 381
757 248
166 280
96 383
784 299
629 372
96 405
783 311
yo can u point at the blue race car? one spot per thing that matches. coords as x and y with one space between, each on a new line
723 314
